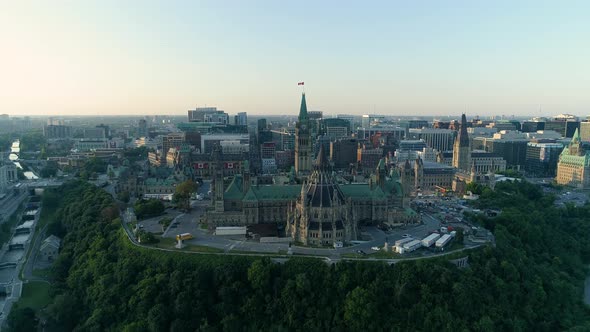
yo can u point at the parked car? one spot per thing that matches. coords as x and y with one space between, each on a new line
406 235
375 248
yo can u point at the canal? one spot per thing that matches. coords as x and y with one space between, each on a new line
14 157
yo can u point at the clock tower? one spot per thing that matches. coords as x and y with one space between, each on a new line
303 141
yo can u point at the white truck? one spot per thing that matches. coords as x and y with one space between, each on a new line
230 230
440 243
430 239
412 245
398 247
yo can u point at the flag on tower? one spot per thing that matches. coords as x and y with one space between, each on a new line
300 83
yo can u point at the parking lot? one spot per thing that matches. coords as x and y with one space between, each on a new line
577 198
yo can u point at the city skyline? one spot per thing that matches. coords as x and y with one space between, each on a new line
394 59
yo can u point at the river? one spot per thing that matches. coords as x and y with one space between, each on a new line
14 152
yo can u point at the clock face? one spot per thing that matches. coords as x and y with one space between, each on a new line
303 127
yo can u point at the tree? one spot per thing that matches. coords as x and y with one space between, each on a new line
48 171
124 196
182 194
22 320
149 208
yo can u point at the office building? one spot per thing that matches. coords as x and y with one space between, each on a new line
241 119
209 115
439 139
542 157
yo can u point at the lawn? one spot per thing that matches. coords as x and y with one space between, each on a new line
169 243
35 295
42 273
382 254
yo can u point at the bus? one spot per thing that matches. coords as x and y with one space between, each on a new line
184 236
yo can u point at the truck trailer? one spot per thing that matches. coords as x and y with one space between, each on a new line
443 240
402 241
430 239
412 245
230 230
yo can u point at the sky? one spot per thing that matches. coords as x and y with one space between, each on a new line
356 57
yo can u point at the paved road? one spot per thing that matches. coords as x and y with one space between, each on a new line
10 204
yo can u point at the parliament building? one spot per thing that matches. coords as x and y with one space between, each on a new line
316 206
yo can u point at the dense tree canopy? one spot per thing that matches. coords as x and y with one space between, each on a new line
149 208
531 281
183 192
32 141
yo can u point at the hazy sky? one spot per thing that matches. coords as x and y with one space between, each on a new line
389 57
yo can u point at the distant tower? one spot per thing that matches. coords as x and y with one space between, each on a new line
246 176
461 148
407 178
380 173
418 173
218 178
303 141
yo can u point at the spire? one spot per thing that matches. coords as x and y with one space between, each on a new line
576 138
463 137
303 109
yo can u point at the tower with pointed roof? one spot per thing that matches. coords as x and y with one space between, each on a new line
461 148
573 167
303 141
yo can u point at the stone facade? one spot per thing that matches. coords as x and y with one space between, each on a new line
573 167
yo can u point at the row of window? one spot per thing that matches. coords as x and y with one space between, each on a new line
326 235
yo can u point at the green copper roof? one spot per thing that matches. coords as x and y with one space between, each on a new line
355 190
250 196
234 190
409 212
277 192
303 109
568 159
378 193
576 138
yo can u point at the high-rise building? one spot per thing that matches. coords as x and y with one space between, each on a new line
439 139
57 131
142 128
343 152
241 119
208 114
303 141
585 131
336 128
349 118
542 157
172 140
461 148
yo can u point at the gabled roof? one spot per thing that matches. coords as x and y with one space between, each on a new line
250 196
234 190
51 241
